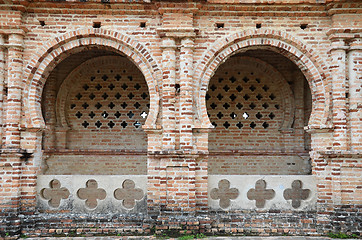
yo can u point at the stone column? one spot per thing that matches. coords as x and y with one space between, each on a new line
15 73
355 93
338 72
186 99
168 93
2 83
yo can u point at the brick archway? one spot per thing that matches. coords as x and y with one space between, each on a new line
56 50
277 41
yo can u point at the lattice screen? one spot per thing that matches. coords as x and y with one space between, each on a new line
109 102
245 106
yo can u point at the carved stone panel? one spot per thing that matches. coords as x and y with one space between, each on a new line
92 194
263 192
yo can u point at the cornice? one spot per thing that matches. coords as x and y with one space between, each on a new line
344 33
7 30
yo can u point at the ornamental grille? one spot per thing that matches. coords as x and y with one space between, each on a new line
107 105
244 104
110 97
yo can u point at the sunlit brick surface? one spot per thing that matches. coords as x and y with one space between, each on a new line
59 116
106 103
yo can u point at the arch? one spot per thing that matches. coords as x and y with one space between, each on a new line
277 41
56 50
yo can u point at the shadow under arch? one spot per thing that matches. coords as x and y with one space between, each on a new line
277 41
56 50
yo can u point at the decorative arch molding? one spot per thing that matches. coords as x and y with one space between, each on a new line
56 50
277 41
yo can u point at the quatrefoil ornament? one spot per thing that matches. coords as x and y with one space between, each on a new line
91 193
128 193
296 193
224 193
55 193
260 194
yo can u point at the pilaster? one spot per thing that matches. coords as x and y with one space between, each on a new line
355 93
339 84
168 93
13 108
186 99
11 156
2 86
172 172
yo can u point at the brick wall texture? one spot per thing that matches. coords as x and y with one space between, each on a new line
179 91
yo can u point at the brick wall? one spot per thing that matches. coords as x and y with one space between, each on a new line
96 163
254 163
260 112
177 51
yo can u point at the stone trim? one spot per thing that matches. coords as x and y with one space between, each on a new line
269 190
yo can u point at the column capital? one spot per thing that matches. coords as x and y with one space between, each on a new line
2 41
188 42
168 42
16 40
355 44
338 44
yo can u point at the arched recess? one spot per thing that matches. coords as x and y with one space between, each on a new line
276 41
101 104
243 64
56 50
